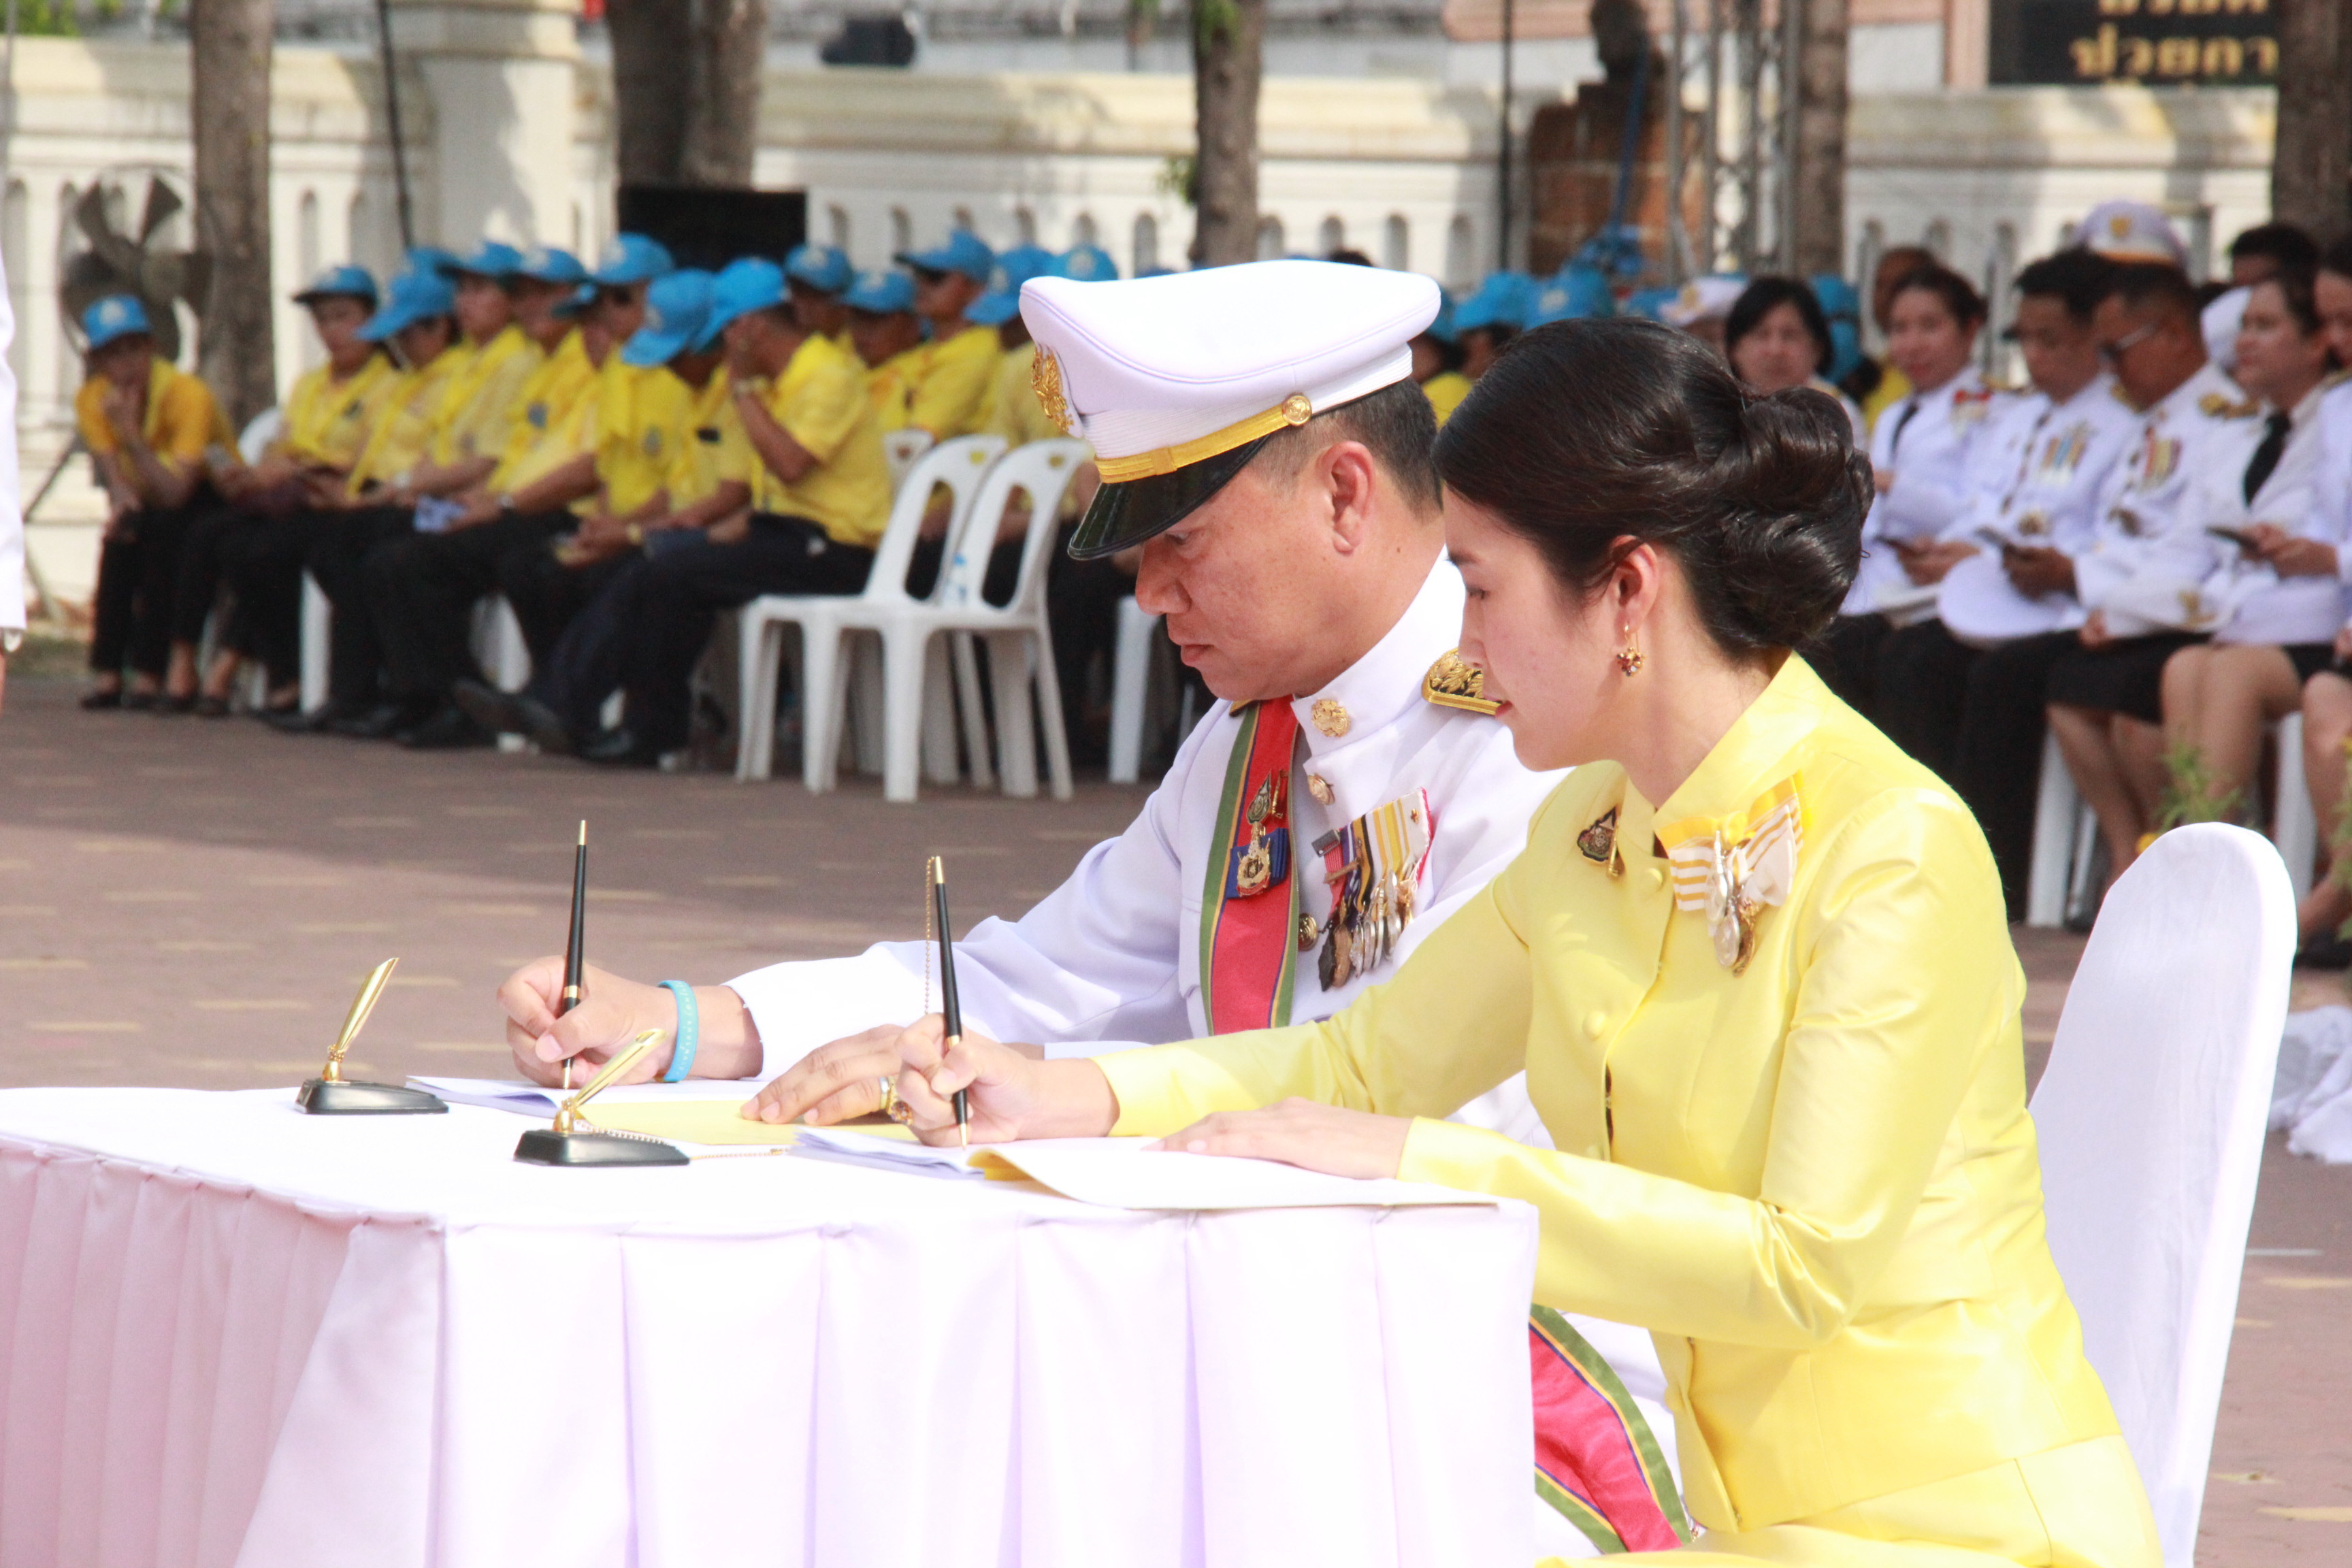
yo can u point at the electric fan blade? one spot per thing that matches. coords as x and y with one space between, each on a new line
163 202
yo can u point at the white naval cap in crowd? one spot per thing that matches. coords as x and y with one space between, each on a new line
1177 380
2130 231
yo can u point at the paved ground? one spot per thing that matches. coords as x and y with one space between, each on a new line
193 903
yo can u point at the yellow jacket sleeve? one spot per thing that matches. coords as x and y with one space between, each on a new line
952 396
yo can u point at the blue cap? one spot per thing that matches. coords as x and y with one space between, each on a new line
821 266
547 264
1842 306
344 282
677 319
1504 300
1156 270
631 259
1648 302
964 252
429 258
577 302
1014 267
489 259
411 296
746 284
884 293
1579 290
1086 264
1442 329
116 316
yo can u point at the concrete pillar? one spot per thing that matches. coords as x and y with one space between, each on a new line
500 81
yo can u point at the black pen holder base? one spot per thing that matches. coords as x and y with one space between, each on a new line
545 1146
320 1098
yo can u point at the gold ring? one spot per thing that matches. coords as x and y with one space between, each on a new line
893 1108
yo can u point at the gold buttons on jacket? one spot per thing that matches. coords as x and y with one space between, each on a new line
1656 877
1331 717
1594 1023
1318 788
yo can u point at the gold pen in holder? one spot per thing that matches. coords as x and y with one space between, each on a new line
570 1141
331 1094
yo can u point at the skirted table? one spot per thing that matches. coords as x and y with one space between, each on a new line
231 1334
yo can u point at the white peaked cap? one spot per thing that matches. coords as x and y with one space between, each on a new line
1159 373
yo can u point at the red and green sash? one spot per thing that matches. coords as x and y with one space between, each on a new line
1249 904
1596 1458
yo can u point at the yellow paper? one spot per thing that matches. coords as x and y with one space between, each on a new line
711 1121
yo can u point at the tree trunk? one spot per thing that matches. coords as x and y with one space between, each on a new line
1819 153
2311 171
228 51
1228 61
686 88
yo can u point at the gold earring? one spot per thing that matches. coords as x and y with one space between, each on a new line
1629 657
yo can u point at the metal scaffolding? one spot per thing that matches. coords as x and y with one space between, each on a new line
1734 74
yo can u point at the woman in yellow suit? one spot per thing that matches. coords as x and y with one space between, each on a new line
1754 963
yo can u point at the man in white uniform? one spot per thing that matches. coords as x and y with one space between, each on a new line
1262 441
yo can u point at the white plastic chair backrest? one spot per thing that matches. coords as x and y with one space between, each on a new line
258 432
900 448
960 464
2150 1120
1042 472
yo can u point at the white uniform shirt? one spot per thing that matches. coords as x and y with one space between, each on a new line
2034 478
2150 555
2252 603
1111 959
1924 441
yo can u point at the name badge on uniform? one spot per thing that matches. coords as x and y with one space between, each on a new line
1373 867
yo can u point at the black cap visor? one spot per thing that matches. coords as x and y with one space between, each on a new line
1125 515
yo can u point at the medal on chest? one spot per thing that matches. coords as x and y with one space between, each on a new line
1373 867
1265 860
2063 455
1732 868
2159 457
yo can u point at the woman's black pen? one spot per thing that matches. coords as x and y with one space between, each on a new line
950 1013
575 952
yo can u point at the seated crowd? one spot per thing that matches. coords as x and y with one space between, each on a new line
2141 552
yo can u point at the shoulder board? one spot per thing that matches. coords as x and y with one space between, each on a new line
2214 405
1454 682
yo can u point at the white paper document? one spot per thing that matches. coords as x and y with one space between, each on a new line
531 1100
887 1153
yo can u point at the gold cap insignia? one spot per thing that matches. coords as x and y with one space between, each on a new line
1454 682
1045 381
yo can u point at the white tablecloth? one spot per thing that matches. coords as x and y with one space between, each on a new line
232 1334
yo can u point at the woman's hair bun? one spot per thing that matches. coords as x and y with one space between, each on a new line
1589 431
1793 493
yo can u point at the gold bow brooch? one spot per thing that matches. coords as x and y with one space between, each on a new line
1731 868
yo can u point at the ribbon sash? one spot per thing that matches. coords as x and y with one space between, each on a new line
1596 1460
1249 906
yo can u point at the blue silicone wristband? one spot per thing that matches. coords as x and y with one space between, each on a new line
690 1031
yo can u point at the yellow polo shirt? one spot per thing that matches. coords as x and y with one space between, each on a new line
1445 391
403 423
712 448
952 380
182 420
643 416
481 399
889 384
327 421
1014 412
820 400
546 403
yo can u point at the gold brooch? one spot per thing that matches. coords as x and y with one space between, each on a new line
1045 381
1454 682
1330 717
1598 842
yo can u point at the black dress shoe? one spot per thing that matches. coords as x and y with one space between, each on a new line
374 724
514 713
138 701
98 701
620 747
212 708
177 704
449 731
294 721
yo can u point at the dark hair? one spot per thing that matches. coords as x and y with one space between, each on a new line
1396 424
2281 242
2075 278
1586 432
1766 295
1959 297
2294 284
2152 288
1349 258
2338 259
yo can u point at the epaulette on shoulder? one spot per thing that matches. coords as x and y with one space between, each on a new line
1454 682
2214 405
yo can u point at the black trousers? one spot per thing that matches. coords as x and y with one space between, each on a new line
263 564
336 554
567 615
668 607
203 547
137 575
1923 690
1997 760
420 589
1082 606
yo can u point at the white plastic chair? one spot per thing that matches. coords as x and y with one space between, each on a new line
1131 687
959 465
258 432
900 448
317 643
2150 1120
1020 643
2295 819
